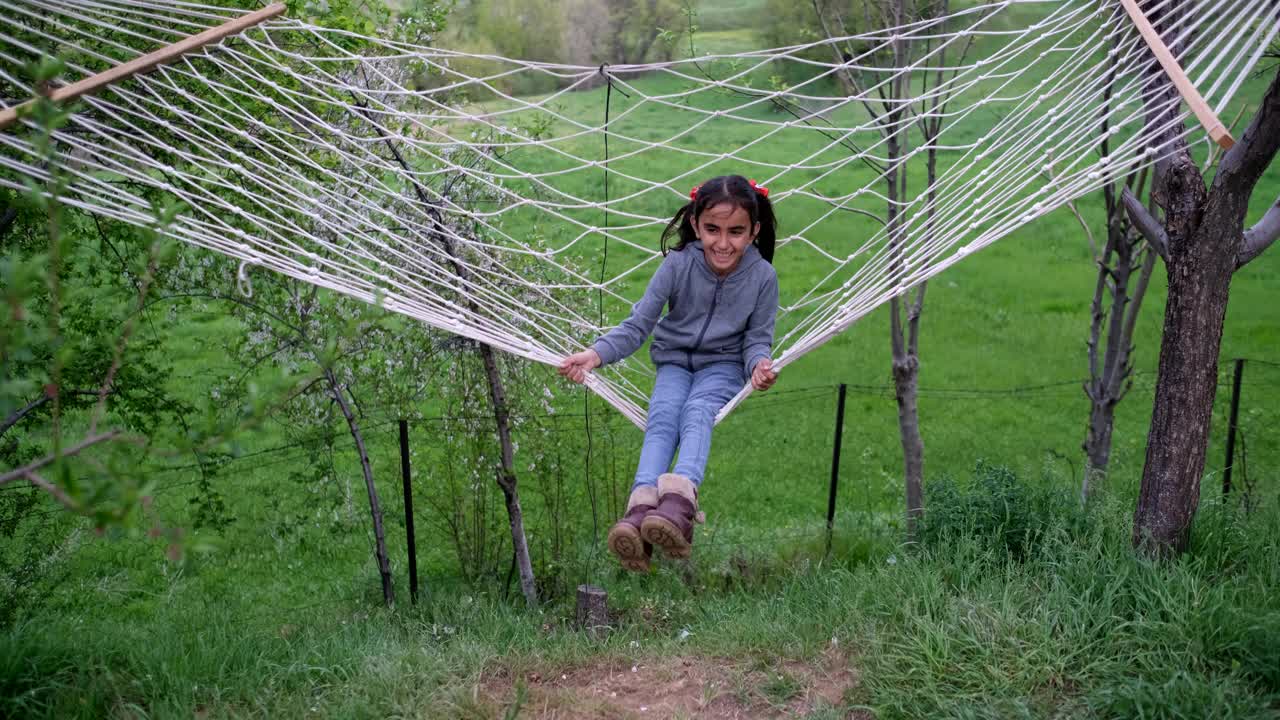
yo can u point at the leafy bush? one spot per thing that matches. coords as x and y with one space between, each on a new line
995 507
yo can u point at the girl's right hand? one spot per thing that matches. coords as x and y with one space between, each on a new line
576 366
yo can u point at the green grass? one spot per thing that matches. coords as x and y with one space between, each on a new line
1022 607
1073 625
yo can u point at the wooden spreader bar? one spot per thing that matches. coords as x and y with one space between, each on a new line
1217 131
149 61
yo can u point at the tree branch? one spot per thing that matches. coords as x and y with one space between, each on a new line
22 412
858 211
58 493
1243 165
74 449
45 397
1260 236
1088 232
913 319
1146 224
1139 292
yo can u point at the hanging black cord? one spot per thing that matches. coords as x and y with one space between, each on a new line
604 262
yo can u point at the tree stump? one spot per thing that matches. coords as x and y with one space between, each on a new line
593 611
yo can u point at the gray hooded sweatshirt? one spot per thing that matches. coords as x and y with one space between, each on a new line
709 318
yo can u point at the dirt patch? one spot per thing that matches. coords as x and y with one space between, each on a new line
679 687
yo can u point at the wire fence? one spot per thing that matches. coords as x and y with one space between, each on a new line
579 485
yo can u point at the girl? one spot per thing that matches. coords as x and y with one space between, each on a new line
721 295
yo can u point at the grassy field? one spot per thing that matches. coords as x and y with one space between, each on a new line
1018 604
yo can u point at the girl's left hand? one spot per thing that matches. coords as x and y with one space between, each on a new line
763 376
576 366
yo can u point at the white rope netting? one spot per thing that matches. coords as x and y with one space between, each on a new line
413 177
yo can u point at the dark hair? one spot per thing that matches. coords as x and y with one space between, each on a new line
733 189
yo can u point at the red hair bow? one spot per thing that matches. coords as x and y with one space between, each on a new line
764 191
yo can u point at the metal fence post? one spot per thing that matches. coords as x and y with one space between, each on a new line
835 464
1231 427
410 540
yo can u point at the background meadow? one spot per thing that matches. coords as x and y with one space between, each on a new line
1017 603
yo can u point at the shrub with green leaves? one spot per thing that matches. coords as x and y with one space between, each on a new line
995 506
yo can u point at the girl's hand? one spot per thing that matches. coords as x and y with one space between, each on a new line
763 376
576 366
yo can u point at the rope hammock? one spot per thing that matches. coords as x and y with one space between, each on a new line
414 177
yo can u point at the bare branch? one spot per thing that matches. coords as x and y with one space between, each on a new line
1139 292
913 319
1088 232
1146 224
1244 163
846 77
153 257
1095 328
1259 237
22 412
858 211
73 450
48 394
58 493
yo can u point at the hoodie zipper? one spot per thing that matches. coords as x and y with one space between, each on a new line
715 300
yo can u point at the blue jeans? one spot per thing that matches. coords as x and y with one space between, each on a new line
682 412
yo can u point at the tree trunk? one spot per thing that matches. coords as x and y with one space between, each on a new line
507 476
375 507
1120 258
906 372
904 337
1204 238
1097 444
6 220
1199 268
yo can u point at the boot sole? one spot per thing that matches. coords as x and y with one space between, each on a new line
663 533
627 544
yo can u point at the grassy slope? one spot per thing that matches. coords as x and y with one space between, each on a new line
275 622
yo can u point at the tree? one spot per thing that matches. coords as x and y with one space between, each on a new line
354 354
298 312
428 206
581 38
69 349
1124 266
635 25
894 118
84 398
1203 242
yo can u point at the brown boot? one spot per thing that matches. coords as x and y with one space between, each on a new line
670 526
624 536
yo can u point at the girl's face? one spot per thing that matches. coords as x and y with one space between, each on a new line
725 231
